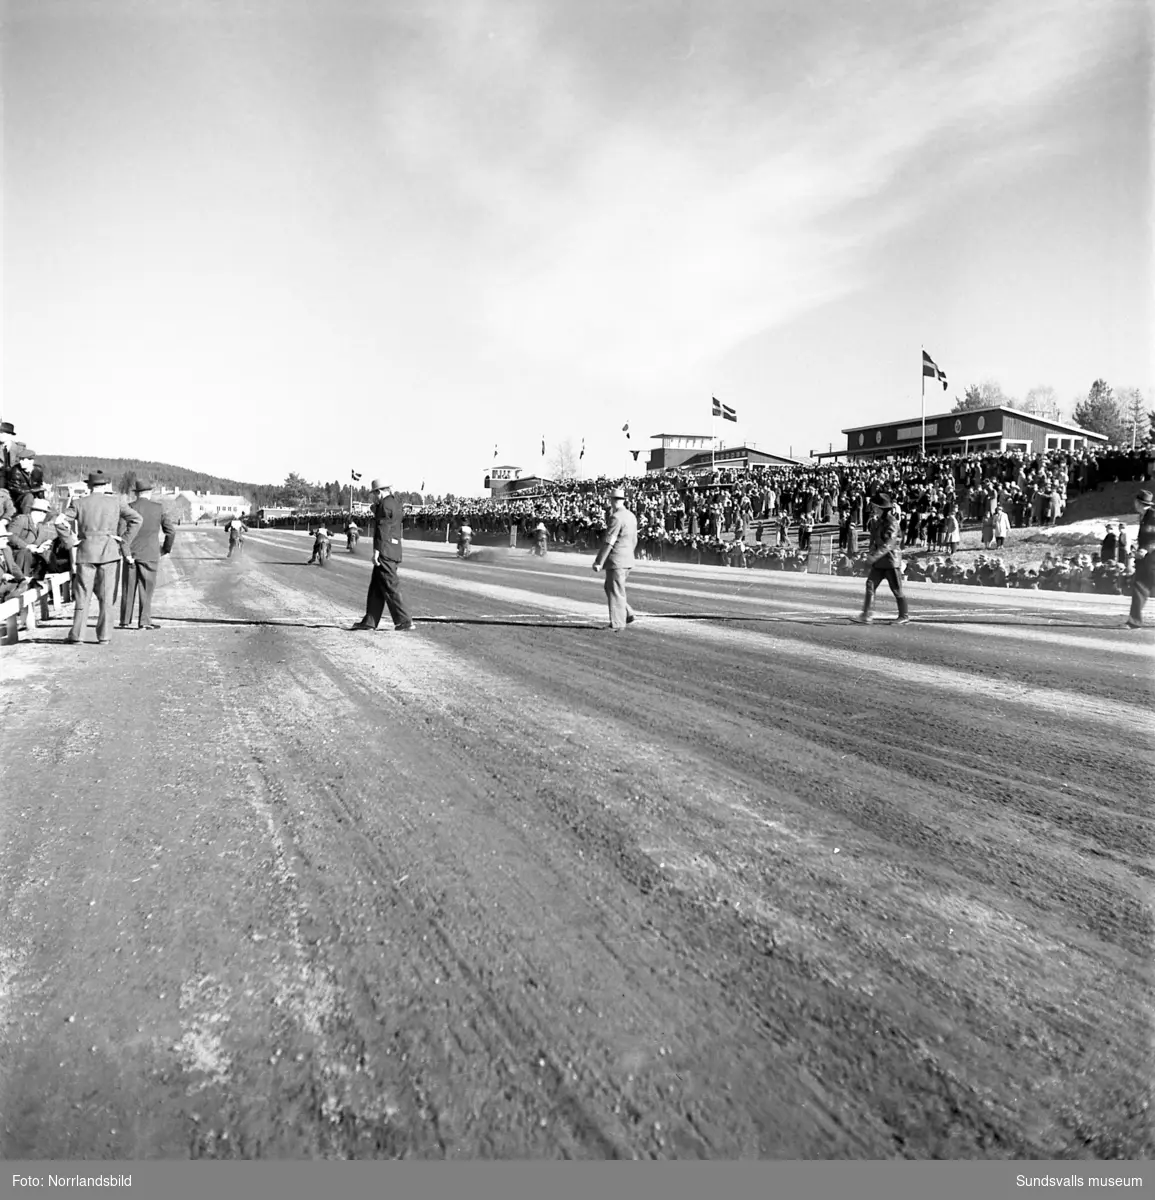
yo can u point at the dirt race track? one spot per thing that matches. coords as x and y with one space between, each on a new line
745 880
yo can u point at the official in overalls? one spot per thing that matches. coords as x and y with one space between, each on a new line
884 558
1143 582
98 516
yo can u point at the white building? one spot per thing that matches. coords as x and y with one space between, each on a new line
208 505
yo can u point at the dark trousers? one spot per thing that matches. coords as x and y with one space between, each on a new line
385 590
139 579
1143 584
97 579
893 578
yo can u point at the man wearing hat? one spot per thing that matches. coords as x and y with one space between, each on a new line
141 566
884 558
1143 581
540 539
98 516
616 555
384 587
25 479
7 443
30 538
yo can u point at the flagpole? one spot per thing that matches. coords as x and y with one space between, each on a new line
922 368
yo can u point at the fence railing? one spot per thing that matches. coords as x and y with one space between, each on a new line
32 604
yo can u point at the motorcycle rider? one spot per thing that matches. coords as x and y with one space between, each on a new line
540 539
464 539
237 530
320 543
352 534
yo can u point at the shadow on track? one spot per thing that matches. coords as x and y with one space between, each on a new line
508 621
162 619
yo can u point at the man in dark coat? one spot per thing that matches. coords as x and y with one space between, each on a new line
1143 581
884 558
139 570
384 587
25 479
99 547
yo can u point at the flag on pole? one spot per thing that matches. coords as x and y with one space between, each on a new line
929 367
423 485
626 430
356 475
543 445
635 453
583 453
494 449
723 410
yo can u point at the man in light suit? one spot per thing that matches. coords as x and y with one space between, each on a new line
616 555
99 547
384 587
140 568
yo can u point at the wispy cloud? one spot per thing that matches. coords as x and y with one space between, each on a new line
637 243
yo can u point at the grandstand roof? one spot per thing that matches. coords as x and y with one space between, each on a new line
1018 413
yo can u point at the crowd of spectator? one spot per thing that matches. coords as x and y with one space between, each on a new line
708 517
35 539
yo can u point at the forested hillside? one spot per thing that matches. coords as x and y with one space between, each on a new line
124 472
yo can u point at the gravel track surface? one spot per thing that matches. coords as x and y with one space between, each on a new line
745 880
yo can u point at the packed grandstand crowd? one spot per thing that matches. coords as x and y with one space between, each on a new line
707 517
763 516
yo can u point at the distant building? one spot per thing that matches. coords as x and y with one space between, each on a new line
692 452
64 493
979 429
675 448
500 480
207 504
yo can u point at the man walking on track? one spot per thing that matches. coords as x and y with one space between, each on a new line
384 587
884 557
146 551
1143 583
616 555
98 516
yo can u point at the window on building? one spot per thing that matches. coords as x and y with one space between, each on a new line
1064 443
1020 447
1052 443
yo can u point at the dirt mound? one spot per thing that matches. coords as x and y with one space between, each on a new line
1114 502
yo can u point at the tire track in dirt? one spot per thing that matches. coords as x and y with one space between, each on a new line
471 706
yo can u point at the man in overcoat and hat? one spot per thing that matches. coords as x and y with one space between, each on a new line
142 565
98 518
616 555
884 557
384 586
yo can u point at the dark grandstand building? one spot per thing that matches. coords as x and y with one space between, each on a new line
980 429
691 452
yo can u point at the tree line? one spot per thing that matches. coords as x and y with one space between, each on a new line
1122 417
294 492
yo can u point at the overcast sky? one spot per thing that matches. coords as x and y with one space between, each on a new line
253 237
